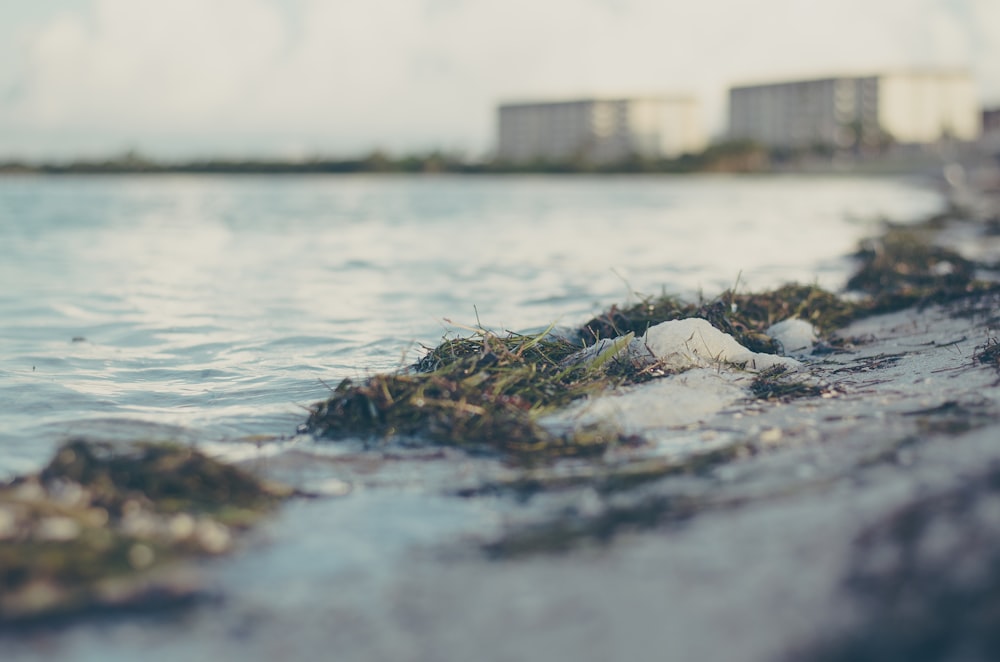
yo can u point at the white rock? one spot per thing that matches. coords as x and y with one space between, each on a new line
693 342
795 335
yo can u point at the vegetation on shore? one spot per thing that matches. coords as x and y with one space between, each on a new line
741 156
104 525
489 390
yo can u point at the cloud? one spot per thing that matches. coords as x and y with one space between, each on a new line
330 75
985 22
145 63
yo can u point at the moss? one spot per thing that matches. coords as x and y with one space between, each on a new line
103 526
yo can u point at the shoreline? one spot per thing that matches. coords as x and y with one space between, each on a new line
787 523
721 158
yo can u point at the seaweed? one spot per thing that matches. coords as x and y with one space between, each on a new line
823 309
869 363
745 316
104 526
988 353
776 384
635 318
488 390
904 267
484 390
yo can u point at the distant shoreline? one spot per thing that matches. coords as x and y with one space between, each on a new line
732 157
372 164
753 163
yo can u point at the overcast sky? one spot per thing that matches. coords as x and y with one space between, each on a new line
179 78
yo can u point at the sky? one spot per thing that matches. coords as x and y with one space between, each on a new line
297 78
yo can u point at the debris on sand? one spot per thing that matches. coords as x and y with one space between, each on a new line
104 526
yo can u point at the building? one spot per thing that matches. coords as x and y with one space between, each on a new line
857 111
598 131
991 121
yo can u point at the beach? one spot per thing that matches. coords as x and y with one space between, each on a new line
847 509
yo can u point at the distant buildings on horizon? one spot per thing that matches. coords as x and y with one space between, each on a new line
860 113
599 130
857 111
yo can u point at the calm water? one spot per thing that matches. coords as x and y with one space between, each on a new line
213 309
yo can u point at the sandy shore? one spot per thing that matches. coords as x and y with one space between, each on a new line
860 523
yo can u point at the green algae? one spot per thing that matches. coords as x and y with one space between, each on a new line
105 526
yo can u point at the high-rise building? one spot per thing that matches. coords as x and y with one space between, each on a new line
857 111
600 131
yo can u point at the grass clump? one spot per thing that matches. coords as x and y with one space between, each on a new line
490 390
483 390
904 267
821 308
744 316
102 526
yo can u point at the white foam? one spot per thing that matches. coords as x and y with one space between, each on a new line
694 342
677 400
712 375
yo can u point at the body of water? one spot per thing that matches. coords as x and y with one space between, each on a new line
214 309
